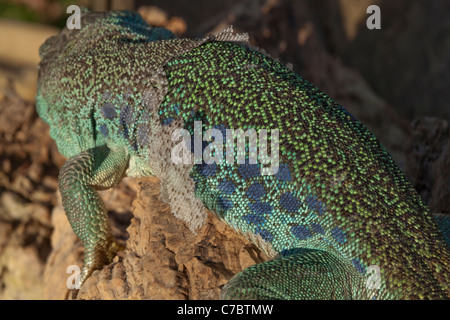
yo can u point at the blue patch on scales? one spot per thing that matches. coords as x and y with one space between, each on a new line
301 232
289 202
108 111
255 191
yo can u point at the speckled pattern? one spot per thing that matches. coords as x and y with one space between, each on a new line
336 206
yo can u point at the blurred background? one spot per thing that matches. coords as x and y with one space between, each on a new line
395 80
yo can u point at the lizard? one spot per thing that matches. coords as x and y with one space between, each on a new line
336 215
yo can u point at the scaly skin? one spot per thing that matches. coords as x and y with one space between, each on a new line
337 208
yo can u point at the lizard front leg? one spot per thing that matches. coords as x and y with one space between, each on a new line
97 168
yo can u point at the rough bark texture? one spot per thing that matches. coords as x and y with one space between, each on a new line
163 258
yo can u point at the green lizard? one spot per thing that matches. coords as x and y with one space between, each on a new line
334 211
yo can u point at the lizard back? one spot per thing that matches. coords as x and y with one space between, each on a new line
336 189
